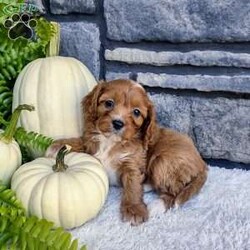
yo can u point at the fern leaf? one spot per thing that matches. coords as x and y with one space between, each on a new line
20 232
44 31
56 239
32 141
10 206
26 157
16 54
74 245
5 101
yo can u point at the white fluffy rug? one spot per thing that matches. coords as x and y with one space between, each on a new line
218 218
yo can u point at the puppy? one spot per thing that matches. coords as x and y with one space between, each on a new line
120 130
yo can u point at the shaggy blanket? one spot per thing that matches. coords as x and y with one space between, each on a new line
217 218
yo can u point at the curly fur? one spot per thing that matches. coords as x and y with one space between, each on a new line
139 152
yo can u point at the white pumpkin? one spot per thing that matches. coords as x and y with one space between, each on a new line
68 194
10 159
10 153
55 86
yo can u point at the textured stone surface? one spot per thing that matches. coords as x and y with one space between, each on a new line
116 75
76 6
178 20
81 40
167 58
235 83
173 112
39 4
220 127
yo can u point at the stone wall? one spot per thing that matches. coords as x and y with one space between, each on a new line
192 56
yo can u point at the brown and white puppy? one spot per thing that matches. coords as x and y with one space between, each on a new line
120 129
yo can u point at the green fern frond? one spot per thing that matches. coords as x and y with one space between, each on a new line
16 230
20 232
5 101
33 233
26 156
44 31
16 54
3 122
32 141
10 206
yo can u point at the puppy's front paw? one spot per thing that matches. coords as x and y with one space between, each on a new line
134 213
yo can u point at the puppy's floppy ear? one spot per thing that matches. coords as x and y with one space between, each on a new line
90 103
148 130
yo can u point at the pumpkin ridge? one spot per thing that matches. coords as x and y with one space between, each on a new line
49 181
28 167
22 118
75 157
7 154
60 197
32 193
15 155
80 186
77 93
38 89
89 168
75 166
43 88
83 187
24 172
94 177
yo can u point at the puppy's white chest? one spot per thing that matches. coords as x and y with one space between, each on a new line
107 160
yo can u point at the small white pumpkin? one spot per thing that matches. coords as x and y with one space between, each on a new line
68 193
10 153
55 85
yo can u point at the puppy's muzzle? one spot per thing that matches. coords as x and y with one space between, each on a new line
117 124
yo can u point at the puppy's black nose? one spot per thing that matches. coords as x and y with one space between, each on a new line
117 124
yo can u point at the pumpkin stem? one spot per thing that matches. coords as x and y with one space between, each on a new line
7 135
54 44
60 166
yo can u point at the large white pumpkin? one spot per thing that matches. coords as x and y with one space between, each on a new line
68 197
55 86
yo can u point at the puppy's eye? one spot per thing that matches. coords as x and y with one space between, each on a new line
136 112
109 104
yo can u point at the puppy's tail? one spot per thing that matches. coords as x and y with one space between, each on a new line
191 189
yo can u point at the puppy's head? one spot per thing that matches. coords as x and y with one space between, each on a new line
120 107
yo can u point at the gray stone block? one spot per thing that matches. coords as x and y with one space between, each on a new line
173 112
39 4
222 128
219 126
76 6
205 58
230 83
206 83
178 20
82 41
116 75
